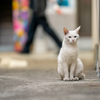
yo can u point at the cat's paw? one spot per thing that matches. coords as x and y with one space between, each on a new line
76 79
71 79
66 79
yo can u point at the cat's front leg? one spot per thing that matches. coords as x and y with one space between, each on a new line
66 72
72 70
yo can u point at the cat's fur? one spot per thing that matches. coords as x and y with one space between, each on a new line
70 67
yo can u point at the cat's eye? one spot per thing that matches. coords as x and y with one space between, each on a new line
69 36
75 36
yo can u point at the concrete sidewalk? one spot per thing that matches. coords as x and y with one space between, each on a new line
30 84
39 80
44 61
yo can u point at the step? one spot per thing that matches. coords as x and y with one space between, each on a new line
44 61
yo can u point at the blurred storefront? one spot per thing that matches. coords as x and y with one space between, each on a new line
75 12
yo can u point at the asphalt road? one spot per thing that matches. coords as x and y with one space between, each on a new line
29 84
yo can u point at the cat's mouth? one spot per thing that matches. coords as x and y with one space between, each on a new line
73 42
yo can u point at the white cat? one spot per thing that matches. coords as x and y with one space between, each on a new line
70 67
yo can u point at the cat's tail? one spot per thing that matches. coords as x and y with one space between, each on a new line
82 76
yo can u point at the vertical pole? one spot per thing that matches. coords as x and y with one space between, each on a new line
94 24
99 39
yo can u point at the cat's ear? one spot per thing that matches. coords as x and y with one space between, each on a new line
77 30
65 30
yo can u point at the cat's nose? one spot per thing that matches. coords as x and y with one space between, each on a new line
73 40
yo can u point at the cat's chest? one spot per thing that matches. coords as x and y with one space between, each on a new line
69 54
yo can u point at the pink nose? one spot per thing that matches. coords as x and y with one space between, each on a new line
73 40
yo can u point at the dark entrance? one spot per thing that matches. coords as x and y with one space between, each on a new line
6 30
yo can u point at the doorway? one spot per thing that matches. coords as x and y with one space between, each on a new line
6 30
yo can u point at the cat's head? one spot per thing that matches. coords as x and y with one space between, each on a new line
71 36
